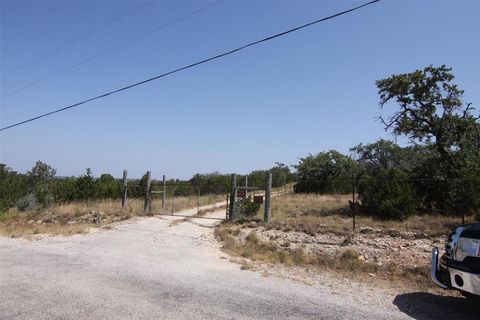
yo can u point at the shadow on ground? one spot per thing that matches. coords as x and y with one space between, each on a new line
422 306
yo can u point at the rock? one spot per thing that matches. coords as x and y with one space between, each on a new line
427 249
421 235
348 240
409 235
285 244
394 233
49 218
362 258
31 221
366 230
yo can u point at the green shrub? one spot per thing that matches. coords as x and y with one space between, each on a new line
246 208
28 202
387 194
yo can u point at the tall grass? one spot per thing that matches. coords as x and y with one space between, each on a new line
68 217
313 213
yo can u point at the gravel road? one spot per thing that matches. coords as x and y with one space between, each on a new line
147 269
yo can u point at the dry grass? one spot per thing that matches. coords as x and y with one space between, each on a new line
72 218
346 263
324 214
255 249
312 213
30 231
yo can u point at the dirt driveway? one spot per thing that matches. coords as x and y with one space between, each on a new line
147 268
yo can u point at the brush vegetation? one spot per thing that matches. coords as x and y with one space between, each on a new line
346 263
312 213
78 217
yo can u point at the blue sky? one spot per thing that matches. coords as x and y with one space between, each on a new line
307 92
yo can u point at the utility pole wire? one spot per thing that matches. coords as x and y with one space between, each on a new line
138 37
192 65
63 46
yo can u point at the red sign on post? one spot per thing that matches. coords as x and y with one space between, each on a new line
258 199
241 193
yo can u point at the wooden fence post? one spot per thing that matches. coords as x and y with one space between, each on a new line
353 202
173 201
124 189
146 207
231 211
164 192
198 201
268 196
226 207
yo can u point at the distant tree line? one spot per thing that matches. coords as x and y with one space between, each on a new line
39 187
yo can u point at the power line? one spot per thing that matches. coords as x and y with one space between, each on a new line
65 45
140 36
192 65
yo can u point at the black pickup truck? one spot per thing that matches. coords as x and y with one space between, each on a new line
459 267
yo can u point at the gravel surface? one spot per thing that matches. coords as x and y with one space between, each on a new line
147 269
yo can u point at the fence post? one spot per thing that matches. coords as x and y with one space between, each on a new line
164 192
226 207
353 201
231 211
124 189
268 195
146 207
198 201
173 201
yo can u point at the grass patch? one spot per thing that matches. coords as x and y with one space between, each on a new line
78 217
313 214
346 262
28 231
255 249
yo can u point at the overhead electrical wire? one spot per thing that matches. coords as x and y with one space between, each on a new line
138 37
67 44
191 65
